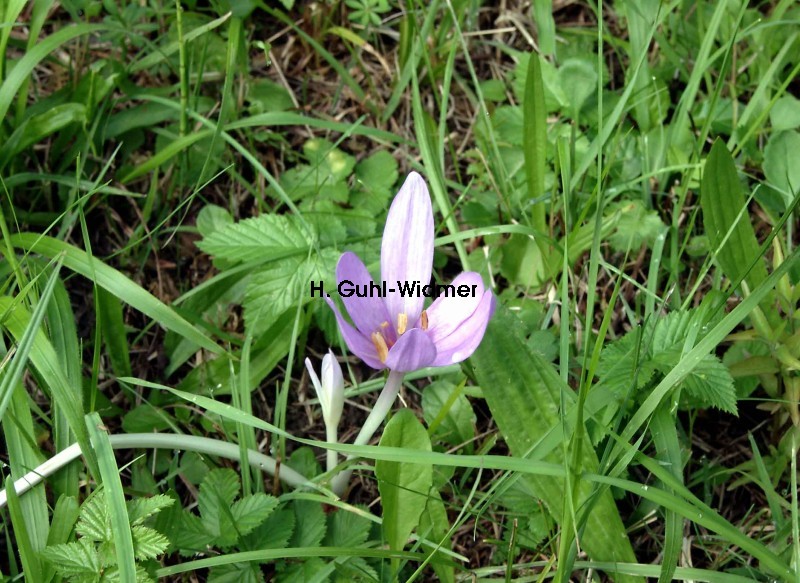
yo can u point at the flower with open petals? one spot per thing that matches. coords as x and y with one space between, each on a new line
395 331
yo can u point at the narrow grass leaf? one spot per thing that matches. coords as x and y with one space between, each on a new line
114 334
30 560
535 140
114 497
115 282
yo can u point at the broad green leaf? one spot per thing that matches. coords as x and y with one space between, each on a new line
445 405
523 393
434 525
403 486
780 164
578 79
212 218
274 532
785 114
724 210
535 142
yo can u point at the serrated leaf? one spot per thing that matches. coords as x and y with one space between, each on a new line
217 493
236 573
78 558
310 524
722 201
347 529
148 543
275 532
282 285
710 384
403 486
355 570
251 511
302 572
141 508
94 522
266 238
191 535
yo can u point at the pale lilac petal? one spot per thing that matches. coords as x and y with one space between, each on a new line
414 350
446 314
358 344
463 341
367 313
407 247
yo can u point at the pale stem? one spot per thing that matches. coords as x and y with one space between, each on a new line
333 437
172 441
379 412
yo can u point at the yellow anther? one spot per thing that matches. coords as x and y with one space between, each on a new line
380 345
402 323
384 324
423 320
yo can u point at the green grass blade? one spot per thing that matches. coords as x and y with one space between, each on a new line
114 334
115 498
30 561
665 436
115 282
23 69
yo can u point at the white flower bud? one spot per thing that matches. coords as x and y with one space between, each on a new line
330 391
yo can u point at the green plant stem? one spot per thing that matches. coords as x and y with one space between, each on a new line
173 441
374 420
332 435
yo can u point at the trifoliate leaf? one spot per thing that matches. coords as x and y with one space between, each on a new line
236 573
274 533
148 543
141 508
191 535
310 524
70 559
251 511
282 285
266 238
94 522
217 493
347 529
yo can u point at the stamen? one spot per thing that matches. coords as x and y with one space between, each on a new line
423 319
384 324
402 322
380 345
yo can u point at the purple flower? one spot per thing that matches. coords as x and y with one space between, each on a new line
395 331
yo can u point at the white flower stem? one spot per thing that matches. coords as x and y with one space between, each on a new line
172 441
333 456
379 412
